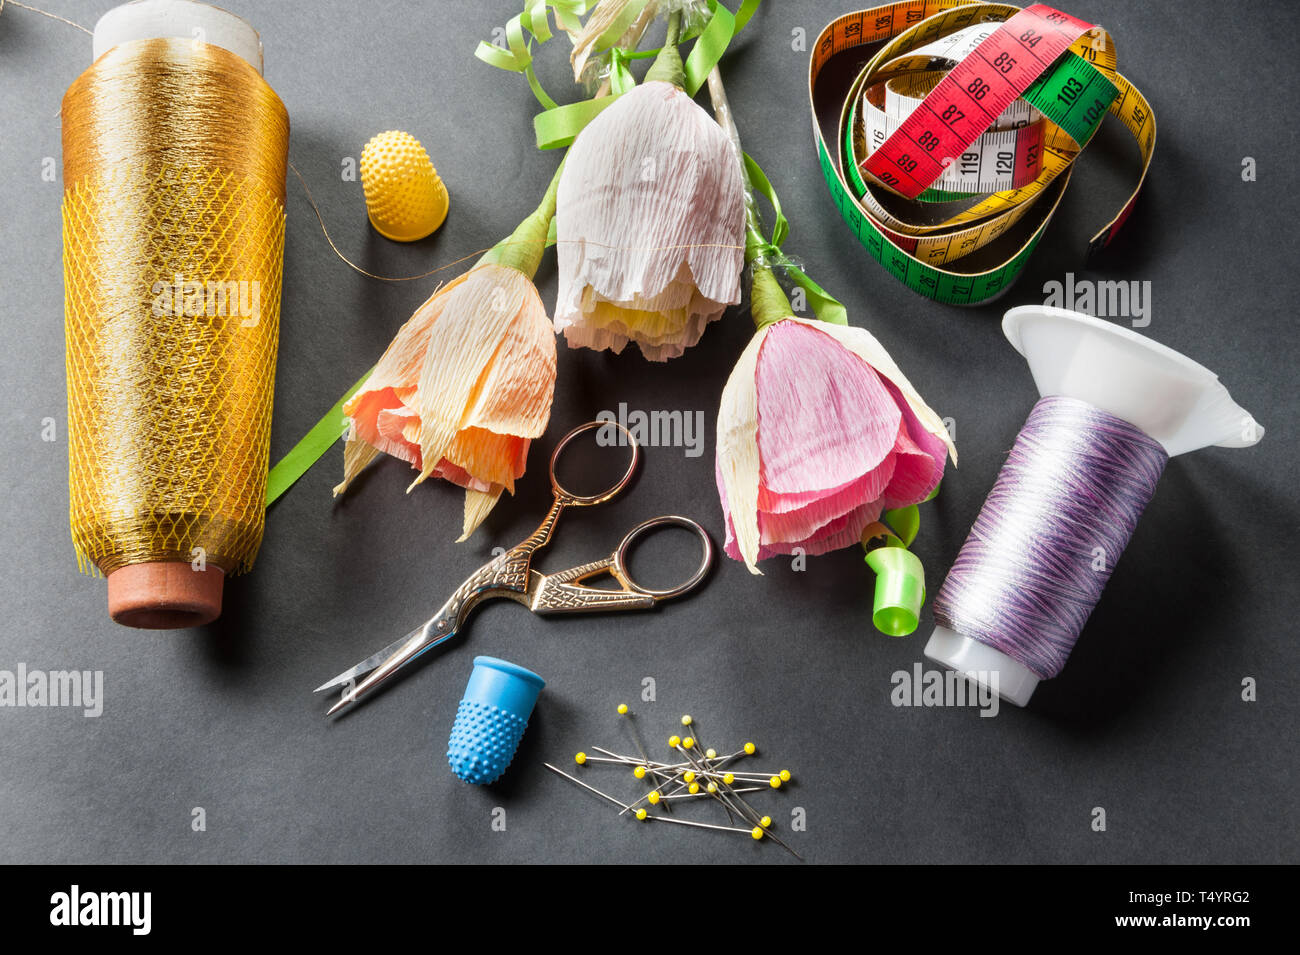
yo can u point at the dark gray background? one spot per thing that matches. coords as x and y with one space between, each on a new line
1146 720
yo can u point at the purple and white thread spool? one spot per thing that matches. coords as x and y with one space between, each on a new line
1115 407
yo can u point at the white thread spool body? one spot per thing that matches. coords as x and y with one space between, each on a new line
1174 400
152 19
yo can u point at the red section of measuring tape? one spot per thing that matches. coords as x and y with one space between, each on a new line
970 98
1029 157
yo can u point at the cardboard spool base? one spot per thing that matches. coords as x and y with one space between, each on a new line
165 595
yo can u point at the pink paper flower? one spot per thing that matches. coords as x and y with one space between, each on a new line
650 226
818 433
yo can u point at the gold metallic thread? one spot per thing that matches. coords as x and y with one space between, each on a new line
174 156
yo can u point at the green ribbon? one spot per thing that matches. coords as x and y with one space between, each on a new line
518 57
824 306
309 450
905 522
558 126
713 41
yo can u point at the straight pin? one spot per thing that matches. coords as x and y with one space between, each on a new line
591 789
693 743
664 778
756 833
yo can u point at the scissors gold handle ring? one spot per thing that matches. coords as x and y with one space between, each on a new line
618 562
569 497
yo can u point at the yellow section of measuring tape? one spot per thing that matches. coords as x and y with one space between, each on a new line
914 241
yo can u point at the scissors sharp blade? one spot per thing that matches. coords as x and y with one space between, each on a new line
372 661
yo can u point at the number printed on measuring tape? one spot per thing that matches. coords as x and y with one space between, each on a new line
1007 156
972 96
1036 78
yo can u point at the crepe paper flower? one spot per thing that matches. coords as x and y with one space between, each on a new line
650 221
468 381
819 432
822 441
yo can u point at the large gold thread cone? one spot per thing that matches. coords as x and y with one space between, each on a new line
173 233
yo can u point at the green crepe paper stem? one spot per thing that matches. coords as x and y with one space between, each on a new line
667 67
522 250
309 450
768 302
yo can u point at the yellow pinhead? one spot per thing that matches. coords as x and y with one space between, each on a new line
711 753
750 749
689 776
642 814
712 787
686 720
785 775
757 833
639 772
693 788
622 709
653 798
689 742
775 782
674 741
579 758
765 822
728 778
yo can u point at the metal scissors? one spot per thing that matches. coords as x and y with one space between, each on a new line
510 575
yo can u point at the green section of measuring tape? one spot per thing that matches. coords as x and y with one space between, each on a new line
947 287
1090 94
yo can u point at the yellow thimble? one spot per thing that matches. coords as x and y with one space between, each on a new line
405 198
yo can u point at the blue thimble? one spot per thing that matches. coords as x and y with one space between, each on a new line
491 719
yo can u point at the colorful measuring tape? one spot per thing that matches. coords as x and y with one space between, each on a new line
965 121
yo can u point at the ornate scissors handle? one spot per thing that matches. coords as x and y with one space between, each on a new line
565 592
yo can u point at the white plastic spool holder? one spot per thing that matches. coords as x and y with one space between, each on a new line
1174 400
187 19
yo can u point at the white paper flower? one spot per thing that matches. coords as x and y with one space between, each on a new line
650 224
